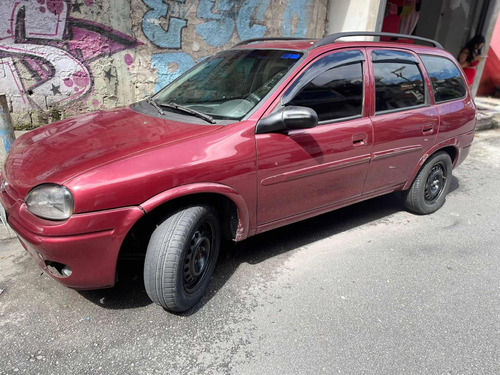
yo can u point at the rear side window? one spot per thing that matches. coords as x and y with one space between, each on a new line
398 81
447 82
334 94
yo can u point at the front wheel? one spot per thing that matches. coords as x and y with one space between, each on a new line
428 191
181 258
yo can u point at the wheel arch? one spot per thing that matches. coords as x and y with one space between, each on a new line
228 203
450 147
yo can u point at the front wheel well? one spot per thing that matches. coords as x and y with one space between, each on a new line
136 241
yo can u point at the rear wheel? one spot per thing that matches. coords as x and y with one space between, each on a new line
428 192
181 257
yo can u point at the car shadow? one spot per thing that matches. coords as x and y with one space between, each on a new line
454 184
130 293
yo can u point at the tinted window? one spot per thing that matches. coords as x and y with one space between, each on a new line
447 83
393 56
335 93
398 85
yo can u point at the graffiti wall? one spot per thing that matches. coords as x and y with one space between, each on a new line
59 58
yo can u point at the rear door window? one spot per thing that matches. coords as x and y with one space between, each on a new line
447 82
398 81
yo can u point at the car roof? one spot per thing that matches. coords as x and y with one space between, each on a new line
295 45
304 44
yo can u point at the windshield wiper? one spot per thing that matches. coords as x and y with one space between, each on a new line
188 110
151 101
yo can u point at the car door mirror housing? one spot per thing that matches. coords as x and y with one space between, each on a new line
288 118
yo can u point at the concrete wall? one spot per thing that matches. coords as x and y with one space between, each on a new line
452 26
355 15
63 57
489 28
430 13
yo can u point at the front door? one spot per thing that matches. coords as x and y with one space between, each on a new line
302 171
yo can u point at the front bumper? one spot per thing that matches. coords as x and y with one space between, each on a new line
87 243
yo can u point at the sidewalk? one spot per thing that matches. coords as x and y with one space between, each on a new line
6 233
488 113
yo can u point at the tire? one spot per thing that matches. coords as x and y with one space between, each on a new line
427 193
181 258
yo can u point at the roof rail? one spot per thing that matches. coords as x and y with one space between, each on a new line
333 37
248 41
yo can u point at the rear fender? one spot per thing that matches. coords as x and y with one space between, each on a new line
453 142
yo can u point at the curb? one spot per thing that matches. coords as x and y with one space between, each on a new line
487 120
6 233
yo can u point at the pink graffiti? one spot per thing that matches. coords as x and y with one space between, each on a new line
43 71
81 78
55 48
93 40
55 6
128 59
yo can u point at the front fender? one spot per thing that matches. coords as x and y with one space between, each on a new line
243 230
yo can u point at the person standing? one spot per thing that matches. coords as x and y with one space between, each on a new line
470 56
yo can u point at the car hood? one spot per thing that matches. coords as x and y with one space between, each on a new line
58 152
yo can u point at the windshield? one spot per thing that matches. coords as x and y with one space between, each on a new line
229 84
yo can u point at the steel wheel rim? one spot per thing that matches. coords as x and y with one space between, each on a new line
198 257
435 183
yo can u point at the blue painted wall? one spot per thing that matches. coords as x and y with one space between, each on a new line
185 31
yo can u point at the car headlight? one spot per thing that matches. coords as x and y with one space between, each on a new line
50 201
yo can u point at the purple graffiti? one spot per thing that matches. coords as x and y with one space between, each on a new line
128 59
46 54
56 6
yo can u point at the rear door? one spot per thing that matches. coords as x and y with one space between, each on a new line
405 122
301 171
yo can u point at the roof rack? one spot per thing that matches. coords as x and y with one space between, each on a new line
248 41
333 37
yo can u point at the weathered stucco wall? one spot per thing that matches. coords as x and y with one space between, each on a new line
63 57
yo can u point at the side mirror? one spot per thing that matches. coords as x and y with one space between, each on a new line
288 118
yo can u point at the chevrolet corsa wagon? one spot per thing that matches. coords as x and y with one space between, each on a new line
262 135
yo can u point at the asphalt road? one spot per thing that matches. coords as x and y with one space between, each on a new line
370 289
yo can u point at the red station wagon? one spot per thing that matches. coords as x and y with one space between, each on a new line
265 134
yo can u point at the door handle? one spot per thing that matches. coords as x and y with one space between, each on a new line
428 130
359 139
